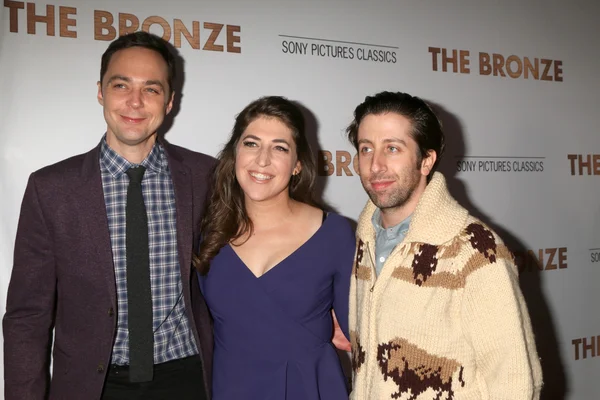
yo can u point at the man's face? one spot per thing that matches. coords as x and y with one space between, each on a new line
136 97
389 163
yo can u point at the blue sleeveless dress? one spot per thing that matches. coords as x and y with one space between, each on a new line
273 333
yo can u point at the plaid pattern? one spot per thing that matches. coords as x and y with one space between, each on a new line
173 338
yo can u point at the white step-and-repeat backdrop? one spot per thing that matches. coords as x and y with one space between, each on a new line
516 84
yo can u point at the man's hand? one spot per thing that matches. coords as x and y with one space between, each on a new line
339 340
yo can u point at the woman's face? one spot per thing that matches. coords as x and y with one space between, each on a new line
265 160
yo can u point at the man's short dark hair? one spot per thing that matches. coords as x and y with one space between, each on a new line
147 41
426 127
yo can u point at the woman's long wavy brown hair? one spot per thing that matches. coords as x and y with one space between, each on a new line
225 218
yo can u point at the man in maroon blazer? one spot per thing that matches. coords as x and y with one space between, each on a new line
71 293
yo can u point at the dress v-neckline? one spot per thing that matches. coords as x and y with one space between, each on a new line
283 260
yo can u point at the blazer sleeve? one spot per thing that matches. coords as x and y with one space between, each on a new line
30 304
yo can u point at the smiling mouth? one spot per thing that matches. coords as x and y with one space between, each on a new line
132 120
381 185
261 177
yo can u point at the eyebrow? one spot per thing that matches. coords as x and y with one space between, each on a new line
126 79
274 140
395 140
387 140
118 77
155 82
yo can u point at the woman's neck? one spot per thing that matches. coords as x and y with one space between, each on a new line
266 215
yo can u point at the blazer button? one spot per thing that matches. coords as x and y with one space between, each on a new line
100 368
111 312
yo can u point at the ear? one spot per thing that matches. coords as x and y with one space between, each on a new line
100 97
428 162
297 168
170 103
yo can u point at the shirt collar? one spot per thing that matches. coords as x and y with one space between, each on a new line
391 232
116 165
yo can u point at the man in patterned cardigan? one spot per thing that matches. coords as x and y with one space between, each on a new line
435 306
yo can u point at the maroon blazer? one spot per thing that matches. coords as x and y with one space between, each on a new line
63 278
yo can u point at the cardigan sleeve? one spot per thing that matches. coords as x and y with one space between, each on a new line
495 319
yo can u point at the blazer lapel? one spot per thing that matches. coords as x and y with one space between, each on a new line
182 185
93 215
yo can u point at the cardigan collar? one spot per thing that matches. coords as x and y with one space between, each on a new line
437 218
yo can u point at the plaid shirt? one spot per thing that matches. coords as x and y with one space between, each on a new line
173 338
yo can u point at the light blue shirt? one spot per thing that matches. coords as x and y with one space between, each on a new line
387 239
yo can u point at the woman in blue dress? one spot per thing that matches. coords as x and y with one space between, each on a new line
273 264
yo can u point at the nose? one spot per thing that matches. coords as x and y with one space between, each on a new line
378 163
135 99
264 157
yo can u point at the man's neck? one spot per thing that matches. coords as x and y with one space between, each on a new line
395 215
135 154
392 217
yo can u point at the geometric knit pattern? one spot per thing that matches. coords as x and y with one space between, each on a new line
445 318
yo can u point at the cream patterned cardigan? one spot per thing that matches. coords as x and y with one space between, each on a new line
446 319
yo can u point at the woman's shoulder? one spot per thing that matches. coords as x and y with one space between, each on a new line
308 211
339 234
339 220
329 219
339 228
313 213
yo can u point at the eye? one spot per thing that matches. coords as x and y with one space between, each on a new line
393 149
119 85
152 90
281 148
249 143
365 149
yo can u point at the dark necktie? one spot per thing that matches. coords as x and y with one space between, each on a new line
139 295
